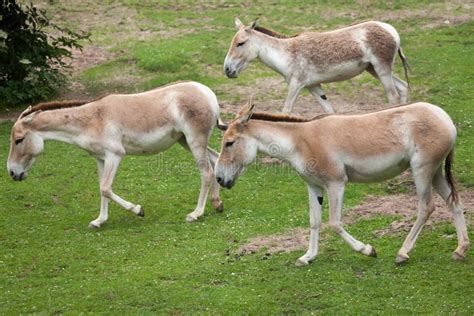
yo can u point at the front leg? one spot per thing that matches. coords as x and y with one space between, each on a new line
336 196
318 93
315 208
107 170
293 90
104 202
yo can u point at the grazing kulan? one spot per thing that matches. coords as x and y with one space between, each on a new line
330 150
309 59
116 125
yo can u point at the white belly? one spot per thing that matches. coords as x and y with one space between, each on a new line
377 168
150 143
339 72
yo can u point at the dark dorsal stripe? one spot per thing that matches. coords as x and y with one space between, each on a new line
270 32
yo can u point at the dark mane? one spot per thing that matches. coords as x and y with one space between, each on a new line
272 117
271 33
56 105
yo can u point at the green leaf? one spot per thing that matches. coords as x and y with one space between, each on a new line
25 61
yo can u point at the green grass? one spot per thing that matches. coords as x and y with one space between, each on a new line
51 263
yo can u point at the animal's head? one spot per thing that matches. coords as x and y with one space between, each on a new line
238 148
25 146
242 50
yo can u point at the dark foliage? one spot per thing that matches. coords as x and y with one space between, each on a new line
31 59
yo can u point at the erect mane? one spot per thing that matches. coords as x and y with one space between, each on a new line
272 117
56 105
271 33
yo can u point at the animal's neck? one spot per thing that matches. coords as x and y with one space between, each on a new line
64 125
275 138
273 52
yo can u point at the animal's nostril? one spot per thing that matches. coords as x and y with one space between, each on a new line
21 175
12 174
219 180
227 69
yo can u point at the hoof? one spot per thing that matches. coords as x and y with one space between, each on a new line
457 256
369 251
93 226
401 259
301 263
140 212
220 207
190 218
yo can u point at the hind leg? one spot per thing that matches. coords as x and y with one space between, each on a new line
198 147
423 178
402 89
318 93
215 187
384 75
441 186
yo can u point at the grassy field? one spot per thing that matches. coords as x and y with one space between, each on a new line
51 263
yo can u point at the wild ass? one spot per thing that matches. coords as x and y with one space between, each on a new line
113 126
309 59
330 150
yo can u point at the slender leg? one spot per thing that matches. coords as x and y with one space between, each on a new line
107 171
384 75
215 187
315 208
200 152
402 88
104 202
423 179
441 186
318 93
293 90
336 195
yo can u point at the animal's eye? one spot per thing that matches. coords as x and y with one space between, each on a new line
240 44
228 144
18 141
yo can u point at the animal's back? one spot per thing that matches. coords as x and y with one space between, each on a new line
349 43
423 124
172 104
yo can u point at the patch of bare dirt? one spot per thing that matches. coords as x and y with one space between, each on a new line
402 205
436 15
294 239
89 56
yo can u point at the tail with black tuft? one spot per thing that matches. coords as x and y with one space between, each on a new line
406 66
448 163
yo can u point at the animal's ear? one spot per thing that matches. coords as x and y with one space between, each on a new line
247 113
238 23
25 112
29 118
254 24
221 125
